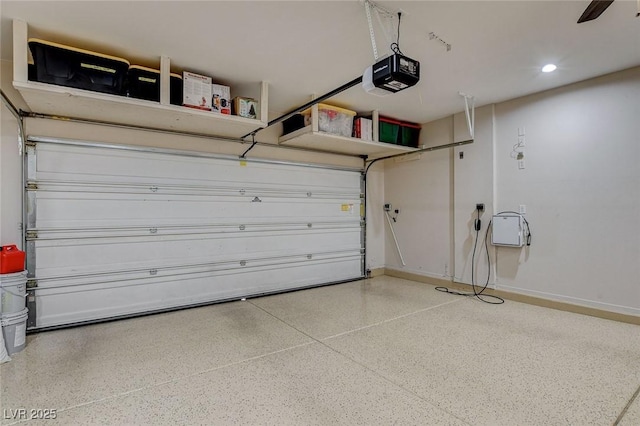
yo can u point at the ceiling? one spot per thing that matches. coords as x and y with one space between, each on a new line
304 48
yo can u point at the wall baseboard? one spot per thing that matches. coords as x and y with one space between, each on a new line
417 277
517 297
376 272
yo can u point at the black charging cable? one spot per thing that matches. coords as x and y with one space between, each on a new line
395 47
486 298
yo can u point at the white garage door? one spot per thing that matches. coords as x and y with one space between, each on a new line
116 231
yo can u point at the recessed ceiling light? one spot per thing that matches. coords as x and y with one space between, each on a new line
549 68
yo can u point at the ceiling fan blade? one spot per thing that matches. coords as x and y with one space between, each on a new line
595 9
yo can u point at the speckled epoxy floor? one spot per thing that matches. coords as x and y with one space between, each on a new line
380 351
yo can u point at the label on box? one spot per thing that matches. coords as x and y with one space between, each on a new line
196 91
220 99
20 337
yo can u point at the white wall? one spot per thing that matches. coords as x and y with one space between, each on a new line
10 175
421 190
473 184
580 185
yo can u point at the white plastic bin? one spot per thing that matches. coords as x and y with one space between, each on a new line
332 119
13 290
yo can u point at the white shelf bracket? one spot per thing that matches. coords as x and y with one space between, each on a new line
470 112
264 101
20 49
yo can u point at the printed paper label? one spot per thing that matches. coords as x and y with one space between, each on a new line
21 330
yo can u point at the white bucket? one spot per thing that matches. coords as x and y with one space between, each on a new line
13 289
14 330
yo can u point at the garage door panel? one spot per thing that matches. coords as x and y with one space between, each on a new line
121 231
58 306
92 208
58 161
120 253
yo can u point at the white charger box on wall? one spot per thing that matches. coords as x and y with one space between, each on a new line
507 231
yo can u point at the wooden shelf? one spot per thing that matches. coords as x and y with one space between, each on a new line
76 103
95 106
87 105
307 138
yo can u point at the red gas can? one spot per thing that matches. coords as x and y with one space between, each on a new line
11 260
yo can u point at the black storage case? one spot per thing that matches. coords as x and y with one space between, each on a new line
69 66
292 124
144 83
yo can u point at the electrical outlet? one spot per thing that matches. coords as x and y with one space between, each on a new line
480 207
387 207
521 164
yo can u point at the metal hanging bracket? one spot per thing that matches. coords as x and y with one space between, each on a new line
470 112
382 14
434 36
367 8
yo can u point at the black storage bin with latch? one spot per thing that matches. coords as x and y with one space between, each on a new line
73 67
144 83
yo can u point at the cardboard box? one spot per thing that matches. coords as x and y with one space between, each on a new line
363 128
220 99
196 91
244 107
366 129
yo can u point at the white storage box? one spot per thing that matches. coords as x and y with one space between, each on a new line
331 119
196 91
244 107
221 99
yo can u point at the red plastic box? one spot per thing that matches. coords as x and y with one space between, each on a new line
11 260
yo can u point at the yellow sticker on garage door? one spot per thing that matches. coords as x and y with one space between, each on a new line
347 207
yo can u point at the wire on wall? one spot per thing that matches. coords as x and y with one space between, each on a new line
478 294
395 47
